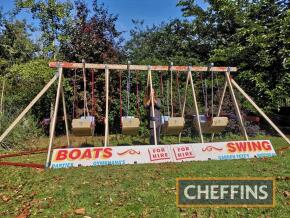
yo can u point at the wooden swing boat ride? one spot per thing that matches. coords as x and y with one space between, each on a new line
84 126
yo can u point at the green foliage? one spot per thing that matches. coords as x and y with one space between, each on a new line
169 42
28 129
140 190
24 82
91 35
15 44
52 14
252 36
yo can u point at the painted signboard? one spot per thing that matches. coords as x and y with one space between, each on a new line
99 156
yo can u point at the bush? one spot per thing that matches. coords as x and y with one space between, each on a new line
27 129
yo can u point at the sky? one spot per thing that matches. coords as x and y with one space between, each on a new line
151 11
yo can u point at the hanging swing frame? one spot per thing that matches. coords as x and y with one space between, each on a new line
172 125
211 123
84 126
59 76
129 125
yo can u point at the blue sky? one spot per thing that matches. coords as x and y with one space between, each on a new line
151 11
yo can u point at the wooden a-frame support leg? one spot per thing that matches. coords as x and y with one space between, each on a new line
220 104
59 88
2 98
184 103
152 104
196 107
65 116
29 106
107 76
260 111
237 109
189 79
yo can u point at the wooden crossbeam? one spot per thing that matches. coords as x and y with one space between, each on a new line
140 67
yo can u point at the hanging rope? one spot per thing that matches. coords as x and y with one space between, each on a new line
162 90
218 87
161 84
137 94
178 91
93 91
128 88
75 93
86 109
120 94
167 98
171 88
212 97
204 92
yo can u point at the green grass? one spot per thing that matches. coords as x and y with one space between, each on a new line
146 190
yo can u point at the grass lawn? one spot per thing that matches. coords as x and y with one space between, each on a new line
146 190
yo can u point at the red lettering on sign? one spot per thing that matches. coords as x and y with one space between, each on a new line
61 155
97 152
248 146
231 147
266 145
74 154
183 152
87 154
242 146
256 146
107 153
158 154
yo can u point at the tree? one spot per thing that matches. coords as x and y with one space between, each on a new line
251 35
93 38
52 14
25 80
169 42
16 45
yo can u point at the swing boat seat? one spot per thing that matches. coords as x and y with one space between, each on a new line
211 124
172 125
130 125
85 126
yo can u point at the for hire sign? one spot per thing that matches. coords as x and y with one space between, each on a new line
98 156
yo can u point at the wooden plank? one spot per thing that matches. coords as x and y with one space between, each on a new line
59 87
220 104
18 119
152 105
107 77
139 67
65 116
2 98
17 164
260 111
195 106
184 103
237 109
